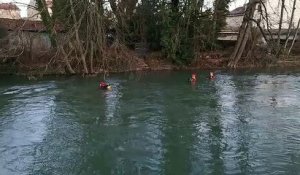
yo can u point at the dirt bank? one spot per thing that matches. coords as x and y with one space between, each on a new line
150 62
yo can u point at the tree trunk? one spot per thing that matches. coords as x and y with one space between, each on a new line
91 57
266 17
215 20
290 24
241 49
294 38
244 34
47 21
113 5
175 4
79 44
69 67
280 25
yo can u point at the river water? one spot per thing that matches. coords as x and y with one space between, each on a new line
152 123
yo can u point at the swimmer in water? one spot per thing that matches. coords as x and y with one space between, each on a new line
193 79
212 76
105 86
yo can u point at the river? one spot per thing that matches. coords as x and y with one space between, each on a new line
152 123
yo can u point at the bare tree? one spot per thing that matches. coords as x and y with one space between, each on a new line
294 38
273 46
244 34
290 24
280 26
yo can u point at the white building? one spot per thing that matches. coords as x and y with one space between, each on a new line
32 12
9 10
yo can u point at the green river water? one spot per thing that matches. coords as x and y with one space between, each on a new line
151 123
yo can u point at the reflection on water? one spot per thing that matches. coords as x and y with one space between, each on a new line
112 99
153 124
23 125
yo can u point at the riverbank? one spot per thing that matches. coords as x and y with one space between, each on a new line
151 62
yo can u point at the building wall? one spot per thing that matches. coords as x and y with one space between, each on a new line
12 14
33 14
233 23
34 43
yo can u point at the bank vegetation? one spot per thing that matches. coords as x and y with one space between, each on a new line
117 35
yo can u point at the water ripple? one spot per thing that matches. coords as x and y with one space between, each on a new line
154 124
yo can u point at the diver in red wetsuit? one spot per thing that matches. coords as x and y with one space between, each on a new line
104 86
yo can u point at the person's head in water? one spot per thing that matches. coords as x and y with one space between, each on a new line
211 75
194 77
109 87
